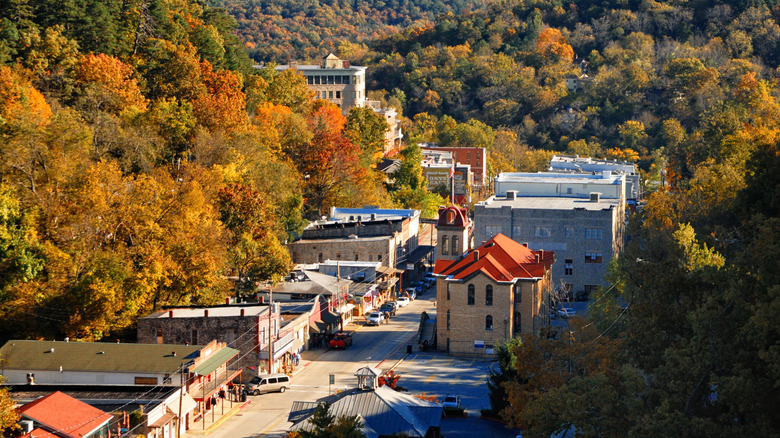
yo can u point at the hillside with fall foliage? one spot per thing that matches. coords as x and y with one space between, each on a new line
144 163
284 30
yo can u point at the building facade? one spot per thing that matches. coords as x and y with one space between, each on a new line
245 327
497 291
334 80
475 158
584 165
585 233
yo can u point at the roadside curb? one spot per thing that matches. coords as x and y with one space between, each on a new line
224 418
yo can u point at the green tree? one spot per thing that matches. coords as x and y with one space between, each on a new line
326 425
367 129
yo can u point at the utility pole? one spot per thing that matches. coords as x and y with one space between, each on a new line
270 314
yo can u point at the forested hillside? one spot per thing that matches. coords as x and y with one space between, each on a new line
684 341
283 30
144 163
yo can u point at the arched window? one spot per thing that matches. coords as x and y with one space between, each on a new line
455 245
445 243
471 295
448 319
488 295
488 322
450 217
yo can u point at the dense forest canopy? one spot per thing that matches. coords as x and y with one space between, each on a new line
144 162
284 30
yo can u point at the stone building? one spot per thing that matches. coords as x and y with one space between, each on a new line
359 234
580 217
244 327
334 80
492 293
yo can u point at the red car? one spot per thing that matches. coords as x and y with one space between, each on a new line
341 340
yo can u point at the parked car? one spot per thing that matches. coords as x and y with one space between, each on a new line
402 301
387 307
375 318
411 293
451 402
567 312
394 304
268 383
341 340
430 280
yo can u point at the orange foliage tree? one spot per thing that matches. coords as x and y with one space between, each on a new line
552 44
20 103
222 106
110 83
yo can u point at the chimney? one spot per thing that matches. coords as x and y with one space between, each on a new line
541 255
243 311
476 255
205 313
594 196
170 314
227 300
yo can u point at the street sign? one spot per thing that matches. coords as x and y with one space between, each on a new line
479 344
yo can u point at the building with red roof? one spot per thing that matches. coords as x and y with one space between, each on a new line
60 415
490 294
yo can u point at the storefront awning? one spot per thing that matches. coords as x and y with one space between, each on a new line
330 317
187 405
346 308
319 327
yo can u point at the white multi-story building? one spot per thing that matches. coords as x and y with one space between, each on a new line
334 80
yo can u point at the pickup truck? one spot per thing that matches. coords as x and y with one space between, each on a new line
341 340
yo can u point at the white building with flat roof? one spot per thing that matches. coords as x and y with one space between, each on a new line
583 165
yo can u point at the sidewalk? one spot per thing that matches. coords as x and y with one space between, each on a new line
213 418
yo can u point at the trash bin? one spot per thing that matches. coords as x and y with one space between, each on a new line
409 349
243 396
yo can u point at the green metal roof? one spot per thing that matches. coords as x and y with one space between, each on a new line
216 359
95 356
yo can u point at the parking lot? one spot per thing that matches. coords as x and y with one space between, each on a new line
439 374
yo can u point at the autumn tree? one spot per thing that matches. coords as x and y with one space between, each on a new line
552 45
255 251
9 416
107 84
367 129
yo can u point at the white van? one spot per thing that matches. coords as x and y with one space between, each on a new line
268 383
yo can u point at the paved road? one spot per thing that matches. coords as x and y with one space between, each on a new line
384 346
266 415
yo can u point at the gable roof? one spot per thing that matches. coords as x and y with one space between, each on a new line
96 356
501 258
39 433
384 412
64 415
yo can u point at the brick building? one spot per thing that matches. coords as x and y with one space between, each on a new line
475 158
492 293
